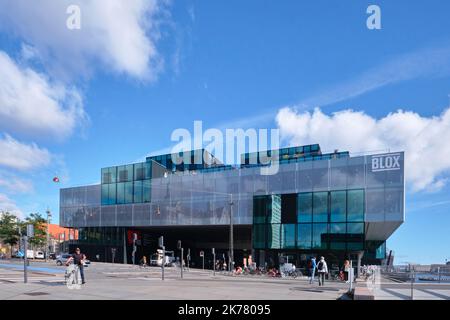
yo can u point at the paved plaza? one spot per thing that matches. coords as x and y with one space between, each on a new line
108 281
118 281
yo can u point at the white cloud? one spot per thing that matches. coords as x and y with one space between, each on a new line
15 184
119 35
424 139
32 104
8 205
21 156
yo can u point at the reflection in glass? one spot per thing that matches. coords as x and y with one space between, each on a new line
304 236
320 234
259 238
338 206
305 207
320 207
355 202
273 237
288 236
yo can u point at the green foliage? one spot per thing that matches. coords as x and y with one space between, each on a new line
9 233
40 232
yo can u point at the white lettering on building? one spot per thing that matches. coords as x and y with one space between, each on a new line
386 162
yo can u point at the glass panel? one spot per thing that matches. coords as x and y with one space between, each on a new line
120 193
112 194
139 171
304 236
337 236
337 228
105 194
106 176
355 210
259 238
320 207
320 175
288 236
305 207
129 192
355 228
146 191
273 239
275 210
148 170
125 173
259 209
338 206
137 194
320 234
355 236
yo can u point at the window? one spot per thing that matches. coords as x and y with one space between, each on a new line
337 228
259 209
355 203
146 191
355 228
112 197
120 193
106 177
304 233
105 194
338 206
320 234
125 173
137 193
109 175
259 236
288 208
288 236
273 237
304 207
129 192
320 207
274 209
355 236
139 171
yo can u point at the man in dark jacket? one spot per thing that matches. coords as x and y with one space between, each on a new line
78 260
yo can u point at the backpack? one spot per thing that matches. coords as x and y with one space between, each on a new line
320 266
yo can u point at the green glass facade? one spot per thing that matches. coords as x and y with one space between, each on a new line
126 184
332 220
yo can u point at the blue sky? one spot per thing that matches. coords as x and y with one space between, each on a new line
227 63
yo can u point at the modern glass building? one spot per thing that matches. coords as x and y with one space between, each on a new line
334 205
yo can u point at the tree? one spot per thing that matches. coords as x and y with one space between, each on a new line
9 232
39 239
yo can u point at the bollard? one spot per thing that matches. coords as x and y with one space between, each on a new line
25 259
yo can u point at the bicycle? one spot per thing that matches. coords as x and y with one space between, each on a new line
71 275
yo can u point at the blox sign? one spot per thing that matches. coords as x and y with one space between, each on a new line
386 162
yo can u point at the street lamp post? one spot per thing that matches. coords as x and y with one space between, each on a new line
231 255
49 216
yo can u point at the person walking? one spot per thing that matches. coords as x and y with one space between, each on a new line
78 259
322 270
346 270
312 269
